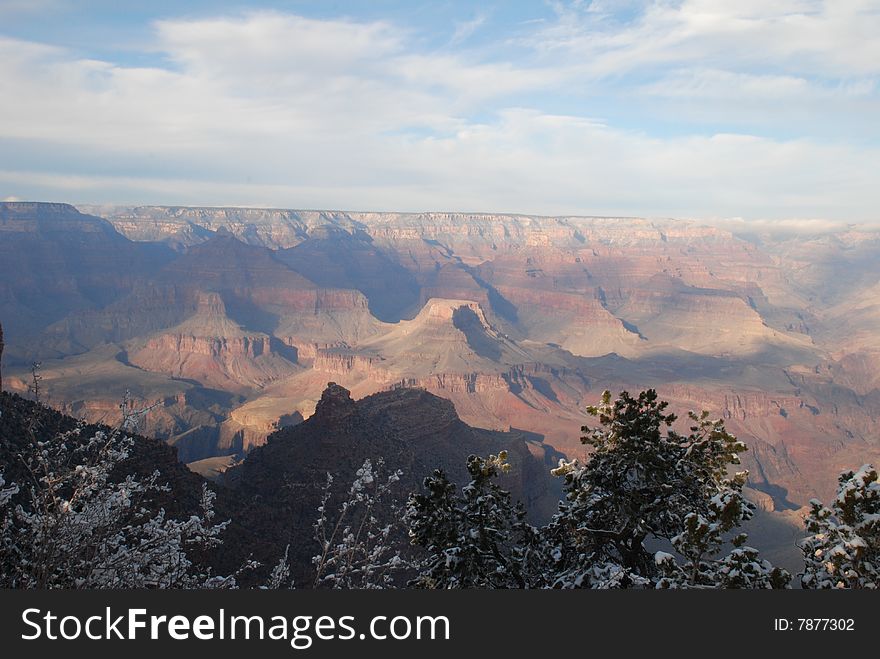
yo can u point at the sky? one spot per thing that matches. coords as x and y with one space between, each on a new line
757 109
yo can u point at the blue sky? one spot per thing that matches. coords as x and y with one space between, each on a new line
765 110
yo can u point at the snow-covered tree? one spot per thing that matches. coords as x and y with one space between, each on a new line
630 487
700 544
707 531
477 538
72 522
843 550
642 480
645 480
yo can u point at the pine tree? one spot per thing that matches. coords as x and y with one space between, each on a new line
702 540
645 480
844 548
642 480
629 488
705 532
473 539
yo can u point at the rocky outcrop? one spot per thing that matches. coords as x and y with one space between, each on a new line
335 405
458 383
244 347
308 351
410 429
210 348
447 336
340 362
739 405
513 380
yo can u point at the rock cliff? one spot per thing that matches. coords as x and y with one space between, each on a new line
211 349
410 429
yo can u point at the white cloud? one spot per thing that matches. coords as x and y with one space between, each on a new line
277 48
699 83
824 37
465 29
536 163
767 102
791 66
280 110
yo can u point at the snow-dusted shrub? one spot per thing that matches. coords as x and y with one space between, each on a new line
844 548
356 548
72 522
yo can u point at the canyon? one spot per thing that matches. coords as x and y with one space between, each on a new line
230 322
